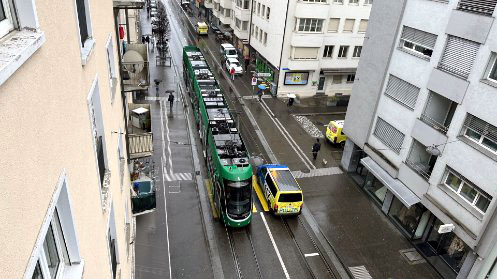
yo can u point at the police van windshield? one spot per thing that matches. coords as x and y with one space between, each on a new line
290 197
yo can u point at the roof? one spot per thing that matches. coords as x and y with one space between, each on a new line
201 23
231 59
338 123
140 110
284 179
227 45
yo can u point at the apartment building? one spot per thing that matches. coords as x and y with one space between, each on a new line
65 200
422 128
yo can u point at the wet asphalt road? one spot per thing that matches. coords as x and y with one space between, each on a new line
172 243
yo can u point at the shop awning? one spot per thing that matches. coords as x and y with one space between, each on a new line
339 71
399 189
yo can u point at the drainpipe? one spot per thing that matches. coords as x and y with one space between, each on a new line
282 45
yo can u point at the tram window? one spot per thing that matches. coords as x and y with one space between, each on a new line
271 185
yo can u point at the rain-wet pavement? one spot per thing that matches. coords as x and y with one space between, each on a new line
348 219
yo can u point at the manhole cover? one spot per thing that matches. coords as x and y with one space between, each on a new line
412 256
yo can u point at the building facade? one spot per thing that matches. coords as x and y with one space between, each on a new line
421 127
65 204
310 47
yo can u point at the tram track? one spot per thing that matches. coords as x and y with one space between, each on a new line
304 258
235 255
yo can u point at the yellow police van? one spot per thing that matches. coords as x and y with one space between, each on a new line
202 28
334 132
280 189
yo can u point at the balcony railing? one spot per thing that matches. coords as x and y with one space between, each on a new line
437 126
140 145
422 169
485 7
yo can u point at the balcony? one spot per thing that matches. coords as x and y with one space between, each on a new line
140 145
484 7
420 160
135 68
129 4
438 112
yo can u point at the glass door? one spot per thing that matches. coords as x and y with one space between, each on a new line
321 83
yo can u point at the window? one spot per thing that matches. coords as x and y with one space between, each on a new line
270 184
258 8
420 160
111 66
328 51
112 242
260 36
256 32
310 25
305 53
338 2
333 24
265 38
458 56
476 197
337 79
492 70
402 91
96 119
246 4
417 41
228 12
253 5
252 29
244 25
238 23
315 1
368 2
349 25
354 2
480 132
363 25
83 20
6 23
389 135
357 51
350 78
268 12
342 51
485 7
57 249
263 11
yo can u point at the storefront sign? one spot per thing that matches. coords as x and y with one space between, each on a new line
263 74
447 228
296 78
254 81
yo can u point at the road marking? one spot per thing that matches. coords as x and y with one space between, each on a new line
311 255
275 247
258 191
208 185
360 272
168 139
167 224
318 172
254 210
180 176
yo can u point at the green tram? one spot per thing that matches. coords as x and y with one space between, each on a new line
224 151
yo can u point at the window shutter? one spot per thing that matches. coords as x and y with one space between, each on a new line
363 25
402 91
478 6
481 127
333 24
305 53
390 136
458 56
419 37
349 25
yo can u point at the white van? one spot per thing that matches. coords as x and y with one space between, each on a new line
228 51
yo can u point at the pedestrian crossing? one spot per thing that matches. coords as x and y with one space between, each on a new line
184 176
255 97
317 172
360 272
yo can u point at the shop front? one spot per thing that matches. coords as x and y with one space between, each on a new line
446 252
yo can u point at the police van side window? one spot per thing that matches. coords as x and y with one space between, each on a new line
270 184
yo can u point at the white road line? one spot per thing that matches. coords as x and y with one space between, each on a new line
275 247
287 139
311 255
284 131
167 224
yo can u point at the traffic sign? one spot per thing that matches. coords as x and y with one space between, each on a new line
263 74
254 81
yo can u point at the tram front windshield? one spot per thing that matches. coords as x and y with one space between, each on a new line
238 198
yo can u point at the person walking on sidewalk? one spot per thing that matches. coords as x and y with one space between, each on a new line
171 101
315 149
232 73
247 63
260 92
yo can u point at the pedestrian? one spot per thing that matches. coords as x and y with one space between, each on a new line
153 43
147 39
315 149
290 102
247 63
199 13
171 101
260 92
143 39
232 73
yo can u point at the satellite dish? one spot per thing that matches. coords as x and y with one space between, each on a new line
433 150
133 63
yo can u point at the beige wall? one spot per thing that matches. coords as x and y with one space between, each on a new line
46 128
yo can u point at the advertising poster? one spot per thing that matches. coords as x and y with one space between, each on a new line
296 78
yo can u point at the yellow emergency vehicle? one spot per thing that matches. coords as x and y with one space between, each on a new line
334 132
202 28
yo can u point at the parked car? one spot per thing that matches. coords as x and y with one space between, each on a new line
234 63
334 132
228 50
